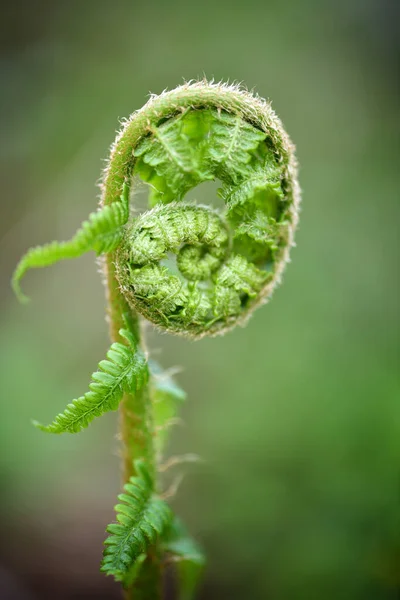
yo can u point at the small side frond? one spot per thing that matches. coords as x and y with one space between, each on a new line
124 370
188 558
102 232
142 519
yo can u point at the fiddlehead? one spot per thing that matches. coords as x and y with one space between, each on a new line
189 269
226 263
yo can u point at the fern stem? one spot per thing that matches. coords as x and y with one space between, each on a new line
136 432
148 584
136 427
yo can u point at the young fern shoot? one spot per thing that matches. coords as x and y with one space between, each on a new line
228 262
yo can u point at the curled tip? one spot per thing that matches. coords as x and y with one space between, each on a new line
22 298
39 425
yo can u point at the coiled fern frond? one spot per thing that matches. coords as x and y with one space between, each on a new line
227 263
189 269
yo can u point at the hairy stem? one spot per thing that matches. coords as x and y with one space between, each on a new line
136 432
137 442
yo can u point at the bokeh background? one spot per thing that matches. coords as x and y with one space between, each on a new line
297 416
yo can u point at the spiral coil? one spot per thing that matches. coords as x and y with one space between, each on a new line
226 262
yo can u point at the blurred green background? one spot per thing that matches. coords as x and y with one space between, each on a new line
297 417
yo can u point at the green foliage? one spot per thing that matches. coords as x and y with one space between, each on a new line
232 142
124 371
142 518
261 191
102 232
177 162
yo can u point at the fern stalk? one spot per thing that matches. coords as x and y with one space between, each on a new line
227 264
136 424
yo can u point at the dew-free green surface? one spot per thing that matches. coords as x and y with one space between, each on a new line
297 416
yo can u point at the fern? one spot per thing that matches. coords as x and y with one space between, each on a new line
124 371
142 518
226 264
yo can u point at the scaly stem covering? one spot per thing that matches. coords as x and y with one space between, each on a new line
226 264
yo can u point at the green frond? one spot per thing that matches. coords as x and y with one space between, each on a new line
142 519
261 229
194 127
232 143
125 370
255 208
166 398
258 237
188 557
174 158
242 276
261 191
102 232
159 192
